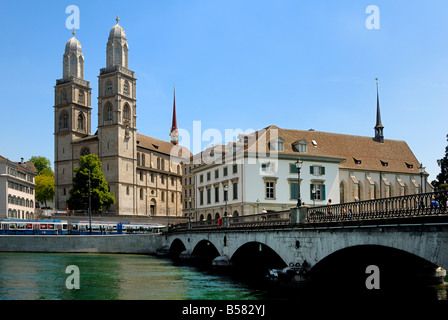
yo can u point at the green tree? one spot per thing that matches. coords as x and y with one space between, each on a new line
441 182
101 198
43 165
44 188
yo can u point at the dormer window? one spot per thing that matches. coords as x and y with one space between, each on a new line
277 144
409 165
384 163
300 146
357 161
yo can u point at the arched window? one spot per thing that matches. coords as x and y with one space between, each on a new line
81 96
63 120
80 122
108 115
126 112
141 193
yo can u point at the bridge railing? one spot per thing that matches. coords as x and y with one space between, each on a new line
424 204
277 218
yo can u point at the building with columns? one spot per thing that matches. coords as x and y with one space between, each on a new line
142 172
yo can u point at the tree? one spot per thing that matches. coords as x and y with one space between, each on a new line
44 188
44 179
43 165
442 178
101 198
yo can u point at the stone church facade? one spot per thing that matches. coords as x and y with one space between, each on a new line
142 174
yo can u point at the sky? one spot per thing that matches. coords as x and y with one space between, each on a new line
238 64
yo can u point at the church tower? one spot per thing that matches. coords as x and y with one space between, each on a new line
379 137
117 121
72 117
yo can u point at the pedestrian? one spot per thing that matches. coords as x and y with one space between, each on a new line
329 210
434 205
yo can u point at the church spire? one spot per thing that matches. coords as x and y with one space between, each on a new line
174 134
379 137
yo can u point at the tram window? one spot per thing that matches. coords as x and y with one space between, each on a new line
43 226
51 226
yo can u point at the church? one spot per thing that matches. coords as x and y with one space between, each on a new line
142 174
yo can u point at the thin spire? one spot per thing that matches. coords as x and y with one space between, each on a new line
73 32
379 137
174 133
118 19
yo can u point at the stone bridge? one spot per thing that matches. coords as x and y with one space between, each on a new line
413 245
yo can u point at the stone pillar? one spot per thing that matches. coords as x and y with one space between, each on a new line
298 215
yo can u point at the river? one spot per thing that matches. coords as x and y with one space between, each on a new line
39 276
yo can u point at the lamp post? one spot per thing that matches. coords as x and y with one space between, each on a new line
226 188
189 210
298 166
90 205
314 195
258 205
421 169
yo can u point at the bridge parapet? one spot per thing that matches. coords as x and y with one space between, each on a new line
409 206
428 206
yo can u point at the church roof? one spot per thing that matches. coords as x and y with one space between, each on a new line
161 146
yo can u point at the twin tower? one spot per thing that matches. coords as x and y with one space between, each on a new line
115 141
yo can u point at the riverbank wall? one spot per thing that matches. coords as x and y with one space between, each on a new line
125 244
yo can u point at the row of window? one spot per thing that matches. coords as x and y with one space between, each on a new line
20 187
160 162
19 174
20 201
217 192
152 177
81 96
162 194
13 213
109 87
216 173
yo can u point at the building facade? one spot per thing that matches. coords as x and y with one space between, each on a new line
17 189
260 173
142 173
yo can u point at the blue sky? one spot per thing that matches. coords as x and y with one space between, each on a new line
238 64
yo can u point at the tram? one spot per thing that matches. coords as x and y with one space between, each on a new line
58 227
30 227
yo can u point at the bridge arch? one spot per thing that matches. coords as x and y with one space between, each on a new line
177 246
397 268
256 258
204 252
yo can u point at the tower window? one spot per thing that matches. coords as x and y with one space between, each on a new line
81 96
108 88
108 112
126 87
63 121
80 122
126 112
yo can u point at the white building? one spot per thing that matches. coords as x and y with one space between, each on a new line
17 189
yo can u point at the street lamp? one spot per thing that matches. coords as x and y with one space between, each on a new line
421 169
90 207
298 166
189 210
258 205
226 188
314 195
